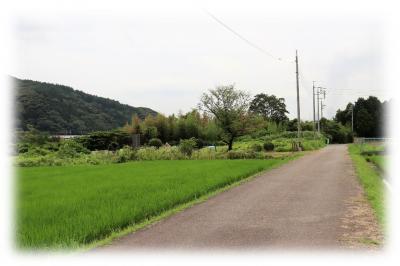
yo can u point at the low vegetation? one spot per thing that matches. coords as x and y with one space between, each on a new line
379 161
39 150
70 206
370 180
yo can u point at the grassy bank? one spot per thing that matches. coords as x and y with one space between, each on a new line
380 161
73 206
370 180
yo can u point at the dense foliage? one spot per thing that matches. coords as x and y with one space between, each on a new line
106 140
336 132
229 106
36 148
368 117
270 107
60 109
171 129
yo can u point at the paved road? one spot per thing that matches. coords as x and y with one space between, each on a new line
299 204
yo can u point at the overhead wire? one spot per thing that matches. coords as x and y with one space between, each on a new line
219 21
330 91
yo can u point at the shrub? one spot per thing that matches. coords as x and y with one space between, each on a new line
204 154
113 146
163 153
125 154
71 149
232 155
173 142
259 133
33 136
256 147
199 143
170 153
22 147
36 151
336 132
236 155
220 143
103 140
269 146
45 160
155 142
309 145
282 145
186 146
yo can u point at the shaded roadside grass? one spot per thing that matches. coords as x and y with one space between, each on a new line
379 161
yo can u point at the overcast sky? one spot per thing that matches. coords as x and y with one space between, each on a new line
165 58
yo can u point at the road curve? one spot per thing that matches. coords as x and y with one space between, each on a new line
299 204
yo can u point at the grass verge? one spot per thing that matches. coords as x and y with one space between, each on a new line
86 206
371 182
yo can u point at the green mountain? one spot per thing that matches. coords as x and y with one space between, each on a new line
60 109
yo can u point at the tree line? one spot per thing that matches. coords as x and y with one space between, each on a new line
369 117
223 114
226 113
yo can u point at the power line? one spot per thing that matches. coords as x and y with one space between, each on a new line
245 39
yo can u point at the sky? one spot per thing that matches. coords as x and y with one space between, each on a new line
164 58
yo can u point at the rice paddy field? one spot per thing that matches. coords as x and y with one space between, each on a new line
73 206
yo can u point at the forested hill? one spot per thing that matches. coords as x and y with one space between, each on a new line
60 109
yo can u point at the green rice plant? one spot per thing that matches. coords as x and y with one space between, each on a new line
71 206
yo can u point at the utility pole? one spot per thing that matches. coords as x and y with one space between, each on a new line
298 98
352 118
320 90
313 104
318 109
323 105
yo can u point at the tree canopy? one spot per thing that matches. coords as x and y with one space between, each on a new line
270 107
368 117
229 106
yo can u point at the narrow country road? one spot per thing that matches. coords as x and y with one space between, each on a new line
300 204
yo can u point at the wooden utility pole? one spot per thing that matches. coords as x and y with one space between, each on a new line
318 89
313 104
352 118
298 98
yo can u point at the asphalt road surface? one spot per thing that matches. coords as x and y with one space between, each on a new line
299 204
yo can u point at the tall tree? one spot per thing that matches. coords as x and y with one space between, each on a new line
270 107
344 117
229 106
367 117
